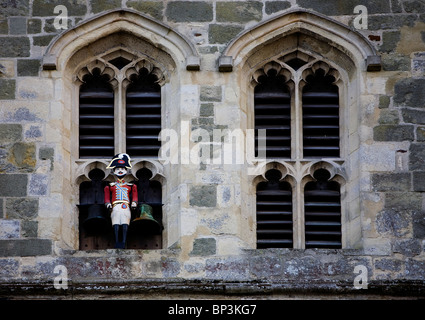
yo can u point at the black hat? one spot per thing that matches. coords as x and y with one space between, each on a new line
120 160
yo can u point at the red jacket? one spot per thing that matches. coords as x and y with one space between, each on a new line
121 192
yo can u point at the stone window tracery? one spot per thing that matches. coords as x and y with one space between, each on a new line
297 103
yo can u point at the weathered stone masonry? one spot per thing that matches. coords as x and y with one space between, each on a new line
209 236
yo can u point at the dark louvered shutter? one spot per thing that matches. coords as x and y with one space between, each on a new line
274 212
320 117
143 118
322 202
96 117
272 107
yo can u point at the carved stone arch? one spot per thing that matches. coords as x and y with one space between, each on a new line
141 28
337 172
155 167
306 28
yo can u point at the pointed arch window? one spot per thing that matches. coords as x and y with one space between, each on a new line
297 102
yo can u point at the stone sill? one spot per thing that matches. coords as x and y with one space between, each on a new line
181 288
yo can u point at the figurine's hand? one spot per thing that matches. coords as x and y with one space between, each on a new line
134 205
108 205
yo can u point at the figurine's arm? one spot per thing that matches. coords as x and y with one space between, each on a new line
107 192
134 196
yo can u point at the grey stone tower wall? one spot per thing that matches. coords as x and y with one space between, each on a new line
393 152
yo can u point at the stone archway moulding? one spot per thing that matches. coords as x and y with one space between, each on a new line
302 21
123 20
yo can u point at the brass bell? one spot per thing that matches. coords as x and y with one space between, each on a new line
146 222
96 222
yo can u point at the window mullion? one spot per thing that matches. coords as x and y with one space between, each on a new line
119 119
298 120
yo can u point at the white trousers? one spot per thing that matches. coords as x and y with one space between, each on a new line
121 214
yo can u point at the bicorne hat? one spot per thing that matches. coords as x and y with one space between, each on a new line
120 160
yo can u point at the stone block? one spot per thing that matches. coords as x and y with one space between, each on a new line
42 41
418 224
420 133
9 229
276 6
384 102
17 25
390 40
211 93
30 67
13 185
204 247
203 196
4 26
395 62
21 208
33 26
222 34
22 156
410 92
29 229
418 64
38 185
417 156
408 247
10 133
414 269
414 116
7 88
9 268
207 110
393 222
388 117
14 8
414 6
382 182
45 8
189 11
14 47
239 12
35 89
389 132
25 247
419 180
152 8
403 201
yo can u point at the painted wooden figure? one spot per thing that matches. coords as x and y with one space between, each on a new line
120 196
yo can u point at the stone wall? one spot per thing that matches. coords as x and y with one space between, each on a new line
211 248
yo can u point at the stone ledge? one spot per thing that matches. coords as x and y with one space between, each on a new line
160 288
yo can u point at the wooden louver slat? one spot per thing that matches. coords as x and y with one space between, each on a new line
96 118
274 212
322 205
320 98
143 116
272 107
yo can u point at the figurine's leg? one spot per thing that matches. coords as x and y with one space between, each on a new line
124 235
116 231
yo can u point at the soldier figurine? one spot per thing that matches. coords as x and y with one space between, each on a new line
123 194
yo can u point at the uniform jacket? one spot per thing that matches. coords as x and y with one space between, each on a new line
121 192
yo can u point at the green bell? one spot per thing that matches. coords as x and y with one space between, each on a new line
146 222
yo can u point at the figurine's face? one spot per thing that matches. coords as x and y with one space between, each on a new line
120 172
